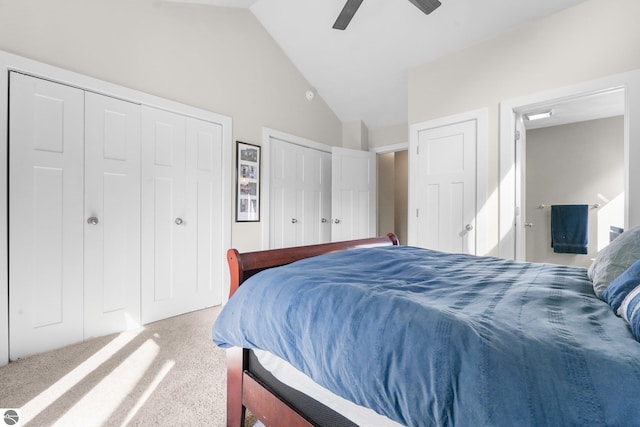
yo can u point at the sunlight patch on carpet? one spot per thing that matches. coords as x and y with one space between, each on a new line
166 367
39 403
105 398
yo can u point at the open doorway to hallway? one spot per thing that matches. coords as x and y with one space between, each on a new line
393 179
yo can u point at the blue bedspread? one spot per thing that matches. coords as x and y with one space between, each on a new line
431 339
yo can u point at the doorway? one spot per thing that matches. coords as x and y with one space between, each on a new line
512 167
573 154
393 191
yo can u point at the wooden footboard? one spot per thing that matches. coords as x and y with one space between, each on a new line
243 389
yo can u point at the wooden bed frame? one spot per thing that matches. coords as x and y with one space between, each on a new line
244 389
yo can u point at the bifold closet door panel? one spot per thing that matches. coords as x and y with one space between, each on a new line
112 215
182 214
285 198
45 214
166 268
205 213
300 201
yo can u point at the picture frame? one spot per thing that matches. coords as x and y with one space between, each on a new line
248 158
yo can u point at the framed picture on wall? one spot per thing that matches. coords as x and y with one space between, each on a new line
248 182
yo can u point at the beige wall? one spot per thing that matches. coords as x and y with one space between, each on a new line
393 174
594 39
401 200
390 135
355 135
579 163
218 59
386 193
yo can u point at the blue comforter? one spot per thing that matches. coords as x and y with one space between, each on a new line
432 339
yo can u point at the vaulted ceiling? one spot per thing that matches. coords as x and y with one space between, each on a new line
362 72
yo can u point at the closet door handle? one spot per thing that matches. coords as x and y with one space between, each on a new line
294 221
179 221
92 220
337 221
323 220
469 227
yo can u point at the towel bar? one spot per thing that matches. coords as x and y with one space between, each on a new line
594 206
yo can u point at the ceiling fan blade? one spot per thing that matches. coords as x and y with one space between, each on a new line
347 13
427 6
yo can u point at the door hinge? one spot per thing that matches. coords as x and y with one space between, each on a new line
517 135
417 149
417 212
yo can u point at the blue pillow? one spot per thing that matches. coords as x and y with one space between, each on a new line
630 311
620 287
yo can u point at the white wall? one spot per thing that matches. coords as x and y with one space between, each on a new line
574 164
215 58
592 40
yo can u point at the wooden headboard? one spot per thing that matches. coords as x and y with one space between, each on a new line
244 265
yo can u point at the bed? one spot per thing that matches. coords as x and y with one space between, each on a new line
420 337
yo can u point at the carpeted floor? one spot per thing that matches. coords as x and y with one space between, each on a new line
168 373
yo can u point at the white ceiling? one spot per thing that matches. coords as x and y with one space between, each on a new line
362 72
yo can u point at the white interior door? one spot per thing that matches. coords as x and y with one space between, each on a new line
353 194
45 214
445 188
182 180
112 215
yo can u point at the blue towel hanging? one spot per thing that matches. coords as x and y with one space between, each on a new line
570 229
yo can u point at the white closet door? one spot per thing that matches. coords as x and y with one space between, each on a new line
45 214
112 215
300 195
205 212
285 196
165 263
324 196
182 214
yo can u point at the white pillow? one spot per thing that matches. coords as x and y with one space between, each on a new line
614 259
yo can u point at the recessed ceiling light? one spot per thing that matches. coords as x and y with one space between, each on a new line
539 115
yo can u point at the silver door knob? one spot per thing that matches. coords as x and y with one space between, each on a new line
468 227
323 220
294 221
92 220
179 221
337 221
528 224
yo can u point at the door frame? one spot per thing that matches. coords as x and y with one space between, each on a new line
511 186
481 117
267 134
10 62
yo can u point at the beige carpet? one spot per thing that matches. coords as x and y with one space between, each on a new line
168 373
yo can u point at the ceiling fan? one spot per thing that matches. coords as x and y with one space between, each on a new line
350 8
